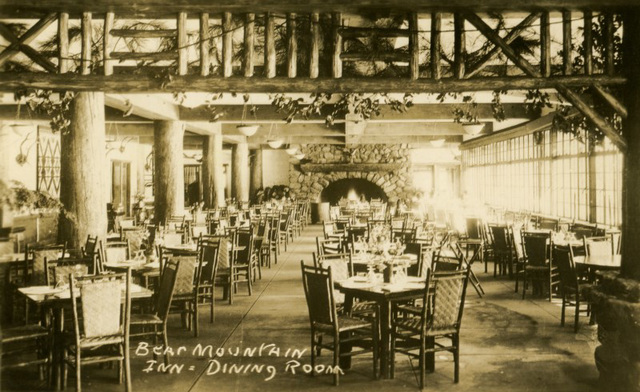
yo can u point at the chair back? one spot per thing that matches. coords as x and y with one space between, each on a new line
199 230
58 271
536 247
598 246
318 291
414 248
446 260
444 299
548 224
101 305
117 251
500 238
245 239
90 246
340 263
40 257
172 238
186 275
563 260
209 255
473 228
167 287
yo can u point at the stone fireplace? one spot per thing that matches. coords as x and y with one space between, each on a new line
352 189
384 170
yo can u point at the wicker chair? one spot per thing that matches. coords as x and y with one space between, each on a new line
206 275
58 270
185 291
158 318
344 331
440 318
102 333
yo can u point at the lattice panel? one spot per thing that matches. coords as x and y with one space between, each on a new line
48 168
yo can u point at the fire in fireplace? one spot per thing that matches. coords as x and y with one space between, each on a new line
352 189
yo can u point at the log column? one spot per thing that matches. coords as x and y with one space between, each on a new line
212 171
256 173
240 171
83 169
616 300
169 169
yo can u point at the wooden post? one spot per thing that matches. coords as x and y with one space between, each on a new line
212 175
219 178
314 56
208 171
414 46
270 46
249 37
256 173
204 44
436 22
227 45
85 64
63 42
607 30
631 126
240 171
336 22
545 44
169 169
83 169
588 42
566 42
183 50
292 46
460 50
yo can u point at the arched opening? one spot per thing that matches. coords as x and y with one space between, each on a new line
352 189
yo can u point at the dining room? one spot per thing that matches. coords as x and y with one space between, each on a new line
310 195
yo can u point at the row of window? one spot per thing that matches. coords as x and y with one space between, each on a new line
548 172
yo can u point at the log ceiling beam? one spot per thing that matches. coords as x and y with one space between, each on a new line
574 98
11 81
418 113
157 8
21 44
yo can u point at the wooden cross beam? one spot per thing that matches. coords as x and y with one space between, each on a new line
530 70
510 37
22 44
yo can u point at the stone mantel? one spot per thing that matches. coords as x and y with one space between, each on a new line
348 167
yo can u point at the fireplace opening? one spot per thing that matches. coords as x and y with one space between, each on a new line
352 189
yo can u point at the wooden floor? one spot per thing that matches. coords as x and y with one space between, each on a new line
507 344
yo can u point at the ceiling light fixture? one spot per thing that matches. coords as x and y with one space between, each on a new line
437 143
473 128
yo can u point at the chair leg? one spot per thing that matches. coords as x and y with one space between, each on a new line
577 315
562 311
213 303
195 317
127 369
456 357
336 358
313 353
421 362
165 341
78 372
524 284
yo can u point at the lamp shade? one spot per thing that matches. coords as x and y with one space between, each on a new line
275 143
473 128
437 143
292 150
248 130
299 156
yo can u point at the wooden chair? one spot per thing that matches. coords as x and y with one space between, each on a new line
58 270
90 247
185 291
599 246
572 289
101 334
206 276
538 264
326 322
31 338
440 318
502 252
157 320
238 270
328 246
115 252
330 231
